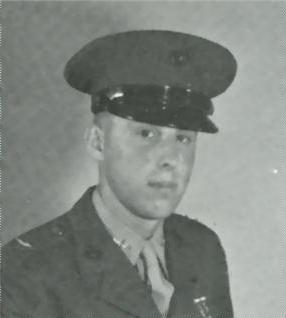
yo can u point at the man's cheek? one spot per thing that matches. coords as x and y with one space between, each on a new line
127 155
142 151
184 180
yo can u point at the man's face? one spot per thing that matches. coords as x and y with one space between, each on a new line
147 167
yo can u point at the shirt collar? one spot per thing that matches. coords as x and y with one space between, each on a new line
124 236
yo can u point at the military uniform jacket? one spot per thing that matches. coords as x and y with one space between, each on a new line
71 268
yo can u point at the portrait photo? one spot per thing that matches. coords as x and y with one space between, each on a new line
143 159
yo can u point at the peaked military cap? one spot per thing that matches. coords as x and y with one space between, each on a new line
159 77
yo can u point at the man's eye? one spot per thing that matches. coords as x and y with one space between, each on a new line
146 133
184 139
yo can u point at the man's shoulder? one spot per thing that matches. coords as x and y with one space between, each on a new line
191 225
194 231
195 238
51 240
37 246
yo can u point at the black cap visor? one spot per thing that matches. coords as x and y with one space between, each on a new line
162 106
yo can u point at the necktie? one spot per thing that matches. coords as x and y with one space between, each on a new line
162 289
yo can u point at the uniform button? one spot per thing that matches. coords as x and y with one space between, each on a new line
194 280
57 230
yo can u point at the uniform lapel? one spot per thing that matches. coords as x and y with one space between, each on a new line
107 273
183 265
122 287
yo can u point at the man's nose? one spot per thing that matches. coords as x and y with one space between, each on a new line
168 156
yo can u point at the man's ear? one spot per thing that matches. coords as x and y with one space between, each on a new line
95 142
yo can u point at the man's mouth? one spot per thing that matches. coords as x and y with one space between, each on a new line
162 185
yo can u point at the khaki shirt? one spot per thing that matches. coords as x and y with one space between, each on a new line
130 240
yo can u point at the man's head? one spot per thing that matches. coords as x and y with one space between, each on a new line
146 167
151 93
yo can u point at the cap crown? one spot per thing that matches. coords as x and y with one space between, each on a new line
152 57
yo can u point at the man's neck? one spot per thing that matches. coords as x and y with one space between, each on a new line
144 227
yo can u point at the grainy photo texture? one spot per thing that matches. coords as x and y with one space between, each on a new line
143 159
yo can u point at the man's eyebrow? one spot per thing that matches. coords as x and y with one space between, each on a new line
186 132
138 125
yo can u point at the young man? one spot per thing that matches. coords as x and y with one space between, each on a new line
121 251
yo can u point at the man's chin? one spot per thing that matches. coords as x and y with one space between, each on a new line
160 210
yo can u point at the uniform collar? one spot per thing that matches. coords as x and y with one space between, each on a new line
130 240
104 268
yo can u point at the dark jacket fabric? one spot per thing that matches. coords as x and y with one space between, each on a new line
71 268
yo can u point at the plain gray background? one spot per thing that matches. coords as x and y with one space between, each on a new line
238 185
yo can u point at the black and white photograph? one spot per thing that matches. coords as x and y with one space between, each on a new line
143 153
